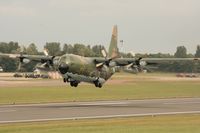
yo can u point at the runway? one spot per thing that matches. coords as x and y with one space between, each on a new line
99 109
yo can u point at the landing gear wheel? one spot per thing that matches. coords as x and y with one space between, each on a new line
100 85
97 84
71 83
74 83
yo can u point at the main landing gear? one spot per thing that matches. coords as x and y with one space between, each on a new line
73 83
97 84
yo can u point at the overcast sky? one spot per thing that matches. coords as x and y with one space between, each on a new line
147 26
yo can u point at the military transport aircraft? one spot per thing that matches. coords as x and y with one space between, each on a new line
96 70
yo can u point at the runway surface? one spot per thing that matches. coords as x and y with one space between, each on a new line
100 109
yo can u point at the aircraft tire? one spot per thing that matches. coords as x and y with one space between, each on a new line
64 80
97 84
100 85
74 83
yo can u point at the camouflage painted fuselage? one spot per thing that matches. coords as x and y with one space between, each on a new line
84 66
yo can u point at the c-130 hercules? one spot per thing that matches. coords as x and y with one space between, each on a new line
96 70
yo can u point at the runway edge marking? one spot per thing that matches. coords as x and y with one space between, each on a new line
100 117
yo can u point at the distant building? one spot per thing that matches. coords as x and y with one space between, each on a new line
49 74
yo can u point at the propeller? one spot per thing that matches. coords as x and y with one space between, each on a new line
47 63
45 51
132 53
107 61
139 65
21 58
19 66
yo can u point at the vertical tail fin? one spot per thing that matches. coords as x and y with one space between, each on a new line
113 49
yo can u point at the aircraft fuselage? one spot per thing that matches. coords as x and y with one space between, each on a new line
79 65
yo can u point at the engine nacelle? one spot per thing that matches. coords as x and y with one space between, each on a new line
143 63
25 61
112 64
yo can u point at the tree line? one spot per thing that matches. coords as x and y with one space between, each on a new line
54 48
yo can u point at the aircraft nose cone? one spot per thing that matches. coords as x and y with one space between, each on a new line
63 68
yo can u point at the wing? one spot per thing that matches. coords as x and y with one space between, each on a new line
37 58
147 61
169 59
150 61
